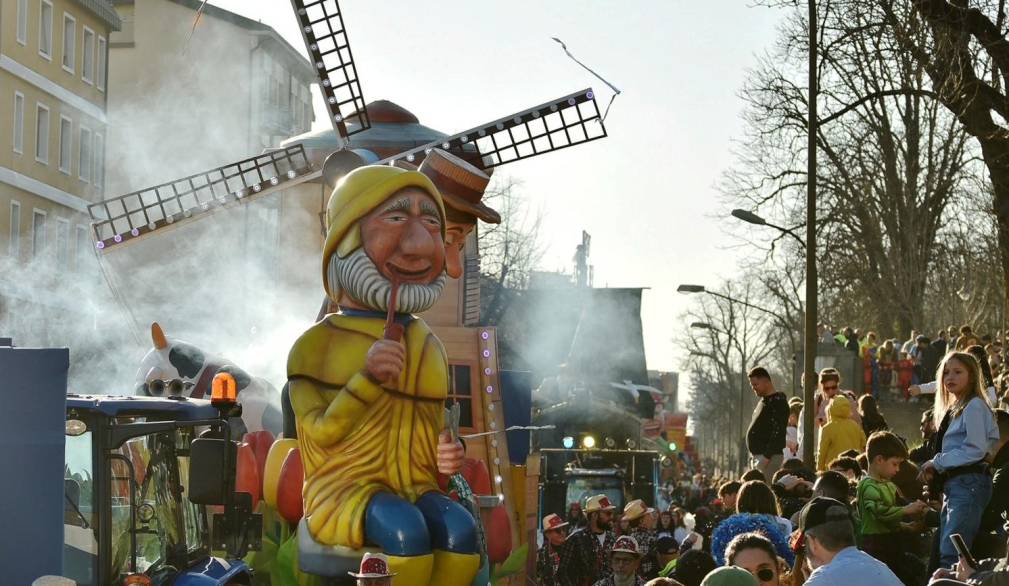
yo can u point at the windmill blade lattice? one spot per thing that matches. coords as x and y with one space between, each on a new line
321 23
558 124
121 219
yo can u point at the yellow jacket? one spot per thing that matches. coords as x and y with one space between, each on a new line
840 434
358 438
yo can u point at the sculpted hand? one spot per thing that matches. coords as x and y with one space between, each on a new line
450 454
385 360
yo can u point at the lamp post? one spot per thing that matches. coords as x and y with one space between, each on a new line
809 346
741 443
752 218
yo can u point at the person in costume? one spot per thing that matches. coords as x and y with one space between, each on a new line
369 411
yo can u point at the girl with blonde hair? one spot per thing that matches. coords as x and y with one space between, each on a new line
968 434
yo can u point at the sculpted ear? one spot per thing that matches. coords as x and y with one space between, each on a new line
158 336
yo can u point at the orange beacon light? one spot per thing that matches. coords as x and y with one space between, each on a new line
224 389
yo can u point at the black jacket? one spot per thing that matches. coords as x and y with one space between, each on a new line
766 436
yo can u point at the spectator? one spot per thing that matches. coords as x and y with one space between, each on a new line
636 513
851 340
827 534
991 532
830 387
879 513
585 558
791 450
830 484
666 553
765 438
886 356
967 438
663 582
839 434
548 559
575 516
692 567
872 419
755 554
729 576
990 572
757 497
666 525
905 374
766 525
624 559
910 343
932 355
753 474
923 452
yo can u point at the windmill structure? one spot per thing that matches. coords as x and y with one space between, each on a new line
304 170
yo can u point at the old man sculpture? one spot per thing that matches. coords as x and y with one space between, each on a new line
369 411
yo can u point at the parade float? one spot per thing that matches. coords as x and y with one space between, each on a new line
300 177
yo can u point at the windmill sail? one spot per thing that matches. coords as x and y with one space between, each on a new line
137 214
321 24
558 124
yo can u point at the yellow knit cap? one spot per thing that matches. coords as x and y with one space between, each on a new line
356 196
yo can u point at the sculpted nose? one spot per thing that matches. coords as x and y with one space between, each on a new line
417 241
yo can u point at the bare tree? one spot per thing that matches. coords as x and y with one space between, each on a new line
509 251
892 160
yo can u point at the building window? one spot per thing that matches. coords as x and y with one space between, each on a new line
19 122
102 60
63 242
66 140
38 233
42 134
83 245
88 58
22 22
460 391
99 160
69 42
46 30
14 242
85 162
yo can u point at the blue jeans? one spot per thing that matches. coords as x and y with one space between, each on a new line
964 499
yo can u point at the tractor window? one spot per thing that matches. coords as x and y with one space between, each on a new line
80 515
152 494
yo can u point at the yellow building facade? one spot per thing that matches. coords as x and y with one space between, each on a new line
53 72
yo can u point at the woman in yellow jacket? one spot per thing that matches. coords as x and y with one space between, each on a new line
840 434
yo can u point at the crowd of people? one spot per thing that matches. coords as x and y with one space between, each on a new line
873 508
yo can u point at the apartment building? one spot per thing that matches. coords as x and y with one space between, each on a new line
186 98
53 133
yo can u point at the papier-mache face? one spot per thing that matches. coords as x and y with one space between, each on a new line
385 224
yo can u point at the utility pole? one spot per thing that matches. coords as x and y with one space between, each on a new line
809 346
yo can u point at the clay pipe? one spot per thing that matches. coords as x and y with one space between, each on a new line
393 330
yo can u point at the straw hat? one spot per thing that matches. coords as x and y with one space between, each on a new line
600 502
551 522
636 509
373 565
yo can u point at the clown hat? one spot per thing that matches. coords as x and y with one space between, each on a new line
373 565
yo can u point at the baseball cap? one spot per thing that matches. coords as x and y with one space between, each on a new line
820 510
666 545
552 521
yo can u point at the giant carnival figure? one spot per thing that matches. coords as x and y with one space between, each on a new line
174 359
369 407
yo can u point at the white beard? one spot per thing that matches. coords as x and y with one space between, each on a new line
358 277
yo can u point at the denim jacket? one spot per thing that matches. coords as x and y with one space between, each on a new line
971 436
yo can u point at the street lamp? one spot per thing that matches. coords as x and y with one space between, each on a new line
752 218
687 289
741 445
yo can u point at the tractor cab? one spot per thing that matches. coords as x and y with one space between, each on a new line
139 474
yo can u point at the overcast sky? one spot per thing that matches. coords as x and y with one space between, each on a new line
647 193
